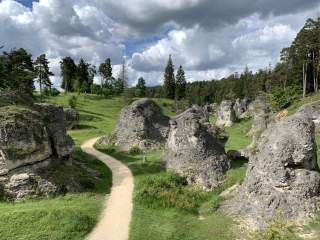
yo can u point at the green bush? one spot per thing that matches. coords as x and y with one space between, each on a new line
51 92
211 206
168 190
135 150
283 98
73 102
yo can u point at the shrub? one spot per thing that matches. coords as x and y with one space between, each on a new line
51 92
168 190
284 98
211 206
73 102
135 150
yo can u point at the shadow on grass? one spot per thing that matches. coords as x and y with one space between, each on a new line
93 113
238 162
84 127
88 117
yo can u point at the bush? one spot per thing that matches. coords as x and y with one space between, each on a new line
211 206
168 190
284 98
51 92
135 150
73 102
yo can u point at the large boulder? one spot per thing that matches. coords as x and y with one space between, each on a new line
226 115
72 118
283 178
24 138
32 141
193 151
142 125
53 116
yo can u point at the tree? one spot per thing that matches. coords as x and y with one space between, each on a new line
105 71
180 84
20 71
43 72
123 81
92 72
83 77
141 88
68 73
169 80
3 71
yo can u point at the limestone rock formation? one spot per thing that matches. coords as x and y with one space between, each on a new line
283 177
141 124
31 141
72 118
262 117
226 115
312 110
241 107
194 152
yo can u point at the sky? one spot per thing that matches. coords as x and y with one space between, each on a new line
211 39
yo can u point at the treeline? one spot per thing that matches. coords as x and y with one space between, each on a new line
296 75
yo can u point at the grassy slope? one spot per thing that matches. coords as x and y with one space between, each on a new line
74 215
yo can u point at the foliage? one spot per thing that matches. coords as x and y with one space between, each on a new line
51 92
283 98
169 80
68 73
140 90
180 90
73 101
135 150
43 72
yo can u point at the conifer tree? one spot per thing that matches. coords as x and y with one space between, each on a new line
141 88
43 72
169 80
68 73
180 84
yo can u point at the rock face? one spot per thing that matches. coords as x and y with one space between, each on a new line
30 139
141 124
283 177
241 107
262 117
72 118
194 152
312 111
226 115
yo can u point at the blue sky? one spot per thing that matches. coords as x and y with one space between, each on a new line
210 39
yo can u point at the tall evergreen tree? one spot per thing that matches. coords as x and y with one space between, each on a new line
83 76
43 72
68 73
180 84
21 71
3 71
169 80
105 71
141 88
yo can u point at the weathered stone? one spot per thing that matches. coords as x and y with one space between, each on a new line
262 117
241 108
15 97
312 110
226 115
141 124
72 118
23 138
193 151
53 116
283 177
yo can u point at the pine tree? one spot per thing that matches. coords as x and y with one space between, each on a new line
68 73
141 88
83 76
21 71
169 80
43 72
105 71
180 84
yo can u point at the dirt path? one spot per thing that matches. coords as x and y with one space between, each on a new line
116 217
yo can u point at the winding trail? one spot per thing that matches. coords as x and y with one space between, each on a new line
115 220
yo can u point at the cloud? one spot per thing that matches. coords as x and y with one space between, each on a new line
211 39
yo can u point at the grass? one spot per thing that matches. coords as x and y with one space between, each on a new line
165 207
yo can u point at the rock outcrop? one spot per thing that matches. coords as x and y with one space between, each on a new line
193 151
31 141
226 115
142 125
72 118
283 177
241 108
312 110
